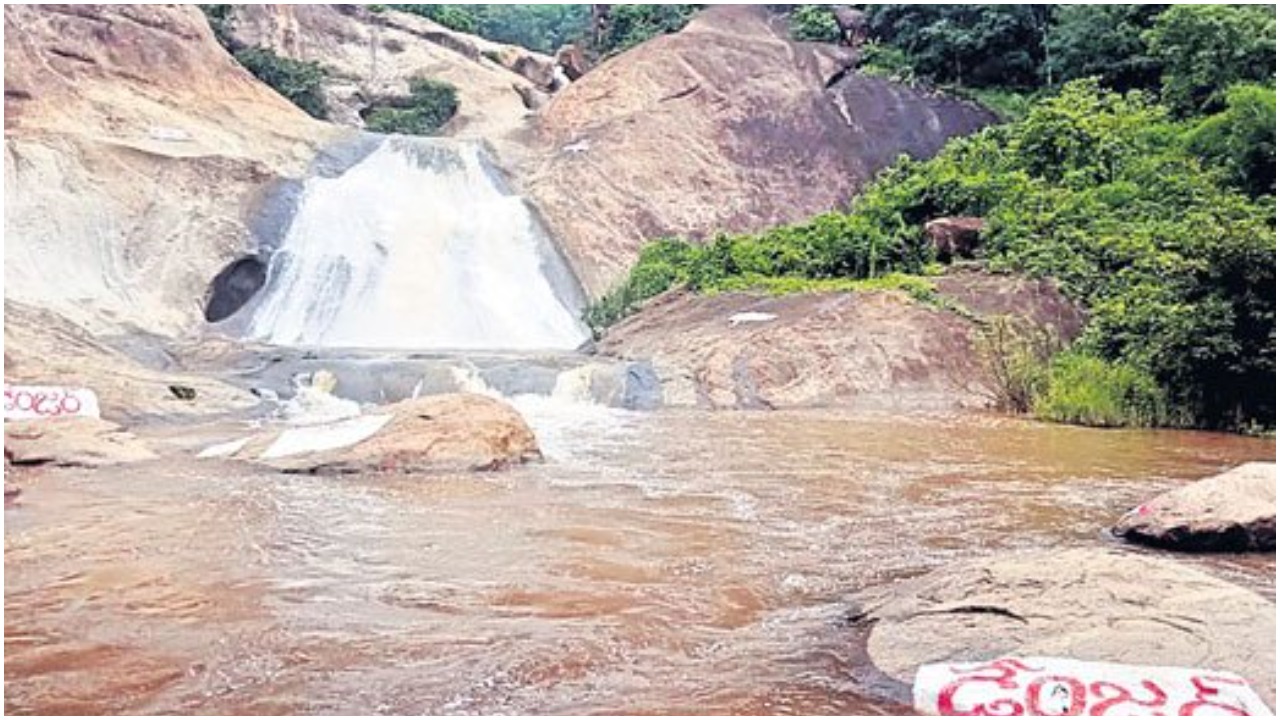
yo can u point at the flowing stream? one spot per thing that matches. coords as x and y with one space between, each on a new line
672 561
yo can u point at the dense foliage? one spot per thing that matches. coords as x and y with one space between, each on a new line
298 80
971 45
1103 41
1086 390
1105 192
538 27
1192 54
814 23
546 27
629 25
1206 49
430 105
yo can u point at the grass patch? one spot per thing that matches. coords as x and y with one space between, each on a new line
1087 390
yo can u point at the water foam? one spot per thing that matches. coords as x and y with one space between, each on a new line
418 245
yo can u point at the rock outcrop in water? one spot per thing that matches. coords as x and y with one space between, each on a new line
462 431
1085 604
1233 511
725 126
71 442
876 349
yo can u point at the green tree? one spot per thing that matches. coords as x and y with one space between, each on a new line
974 45
1103 41
1241 140
1205 49
630 25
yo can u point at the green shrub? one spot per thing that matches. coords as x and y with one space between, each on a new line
299 81
1100 191
881 59
1013 360
430 105
1086 390
814 23
630 25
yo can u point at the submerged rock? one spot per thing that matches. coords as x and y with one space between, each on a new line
1234 511
1087 604
438 432
71 442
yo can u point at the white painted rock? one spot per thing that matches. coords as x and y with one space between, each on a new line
1042 686
750 317
1094 604
39 402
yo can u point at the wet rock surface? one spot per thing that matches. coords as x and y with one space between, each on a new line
1088 604
440 432
1233 511
71 442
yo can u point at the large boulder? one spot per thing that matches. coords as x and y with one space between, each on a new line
725 126
1088 604
1234 511
435 433
874 349
954 237
71 442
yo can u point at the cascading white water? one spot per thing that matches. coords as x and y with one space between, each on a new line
417 246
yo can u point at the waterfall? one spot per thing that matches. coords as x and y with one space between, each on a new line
417 245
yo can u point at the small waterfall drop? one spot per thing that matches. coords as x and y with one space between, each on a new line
418 245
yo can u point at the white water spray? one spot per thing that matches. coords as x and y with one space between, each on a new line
417 246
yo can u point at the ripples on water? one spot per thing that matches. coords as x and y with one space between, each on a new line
677 562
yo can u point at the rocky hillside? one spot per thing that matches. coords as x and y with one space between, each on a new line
371 56
139 153
133 147
727 125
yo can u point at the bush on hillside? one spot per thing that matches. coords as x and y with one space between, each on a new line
814 23
299 81
430 105
1097 189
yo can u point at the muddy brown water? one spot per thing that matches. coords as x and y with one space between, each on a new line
667 562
